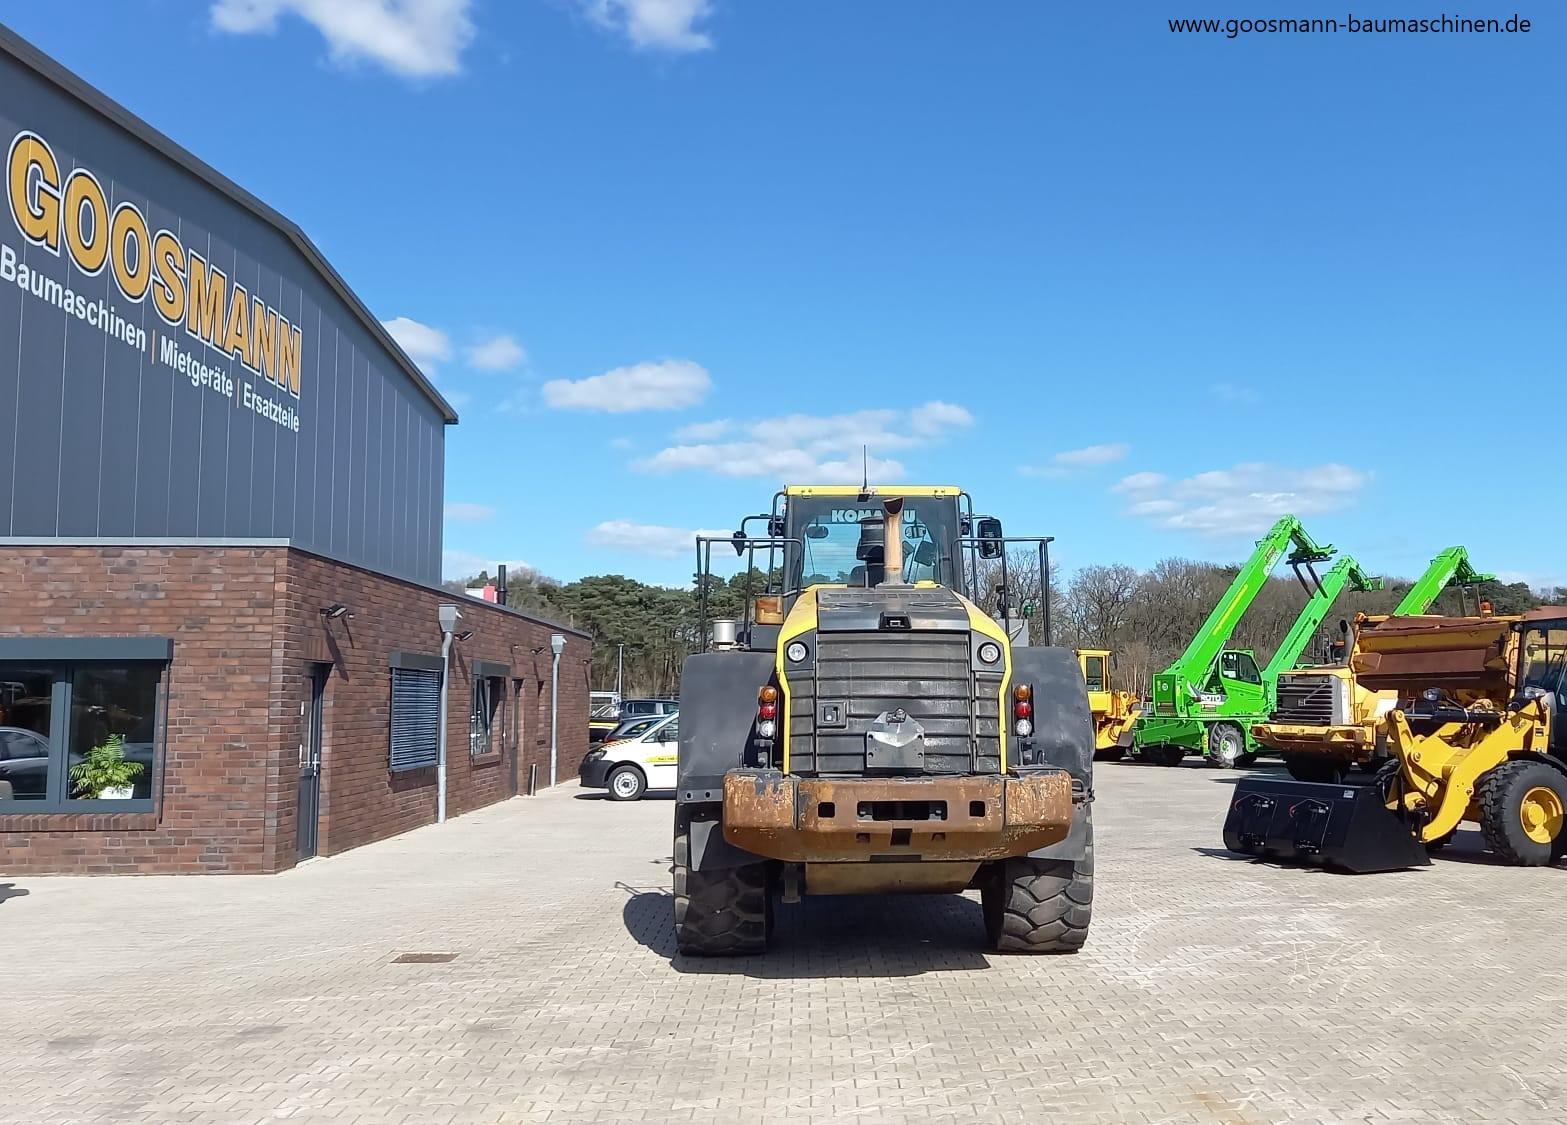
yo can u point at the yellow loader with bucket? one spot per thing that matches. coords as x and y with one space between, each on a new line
1114 711
1478 736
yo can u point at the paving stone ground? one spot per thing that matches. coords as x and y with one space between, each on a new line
1213 989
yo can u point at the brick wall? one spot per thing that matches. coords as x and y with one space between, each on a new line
361 799
246 628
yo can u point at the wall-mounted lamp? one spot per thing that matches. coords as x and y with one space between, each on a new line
335 610
464 635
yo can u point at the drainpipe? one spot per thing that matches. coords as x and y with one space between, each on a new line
447 615
557 646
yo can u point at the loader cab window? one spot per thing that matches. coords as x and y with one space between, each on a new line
1544 657
1094 672
835 552
1239 666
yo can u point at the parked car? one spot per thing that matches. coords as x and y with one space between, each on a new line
24 762
629 767
632 708
603 721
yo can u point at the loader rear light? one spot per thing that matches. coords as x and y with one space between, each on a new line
766 711
1023 710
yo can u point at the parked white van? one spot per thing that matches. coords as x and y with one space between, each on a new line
630 767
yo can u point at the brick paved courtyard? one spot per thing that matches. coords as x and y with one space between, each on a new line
1213 989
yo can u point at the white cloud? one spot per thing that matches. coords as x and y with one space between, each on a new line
498 353
669 385
1069 461
704 431
1091 455
460 512
427 347
826 449
465 564
1236 394
646 538
654 25
1140 482
413 38
935 417
1242 500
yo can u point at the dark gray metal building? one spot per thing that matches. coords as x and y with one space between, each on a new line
219 379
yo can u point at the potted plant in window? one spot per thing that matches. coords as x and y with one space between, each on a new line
105 775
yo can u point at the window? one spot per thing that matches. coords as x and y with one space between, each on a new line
1094 672
486 719
834 550
62 721
1239 666
416 715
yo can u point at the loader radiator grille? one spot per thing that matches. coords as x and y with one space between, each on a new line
926 674
1305 701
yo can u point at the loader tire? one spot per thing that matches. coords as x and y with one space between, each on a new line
719 913
1314 768
1040 905
1522 807
1227 746
1114 754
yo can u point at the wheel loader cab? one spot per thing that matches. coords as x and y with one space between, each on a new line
884 735
1542 673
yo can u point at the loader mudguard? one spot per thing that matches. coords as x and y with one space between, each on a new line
1075 846
717 720
1063 734
1063 728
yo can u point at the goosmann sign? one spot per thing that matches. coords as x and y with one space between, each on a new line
71 215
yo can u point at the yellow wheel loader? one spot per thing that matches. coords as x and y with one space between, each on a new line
1334 718
1113 711
871 729
1455 754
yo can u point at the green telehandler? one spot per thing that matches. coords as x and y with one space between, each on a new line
1208 699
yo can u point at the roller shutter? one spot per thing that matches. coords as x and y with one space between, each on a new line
416 712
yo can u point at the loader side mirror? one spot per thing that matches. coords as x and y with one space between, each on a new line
989 535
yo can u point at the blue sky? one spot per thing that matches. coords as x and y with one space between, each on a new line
1137 290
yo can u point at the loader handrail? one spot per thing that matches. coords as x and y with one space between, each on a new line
747 546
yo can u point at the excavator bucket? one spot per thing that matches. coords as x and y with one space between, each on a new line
1344 826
